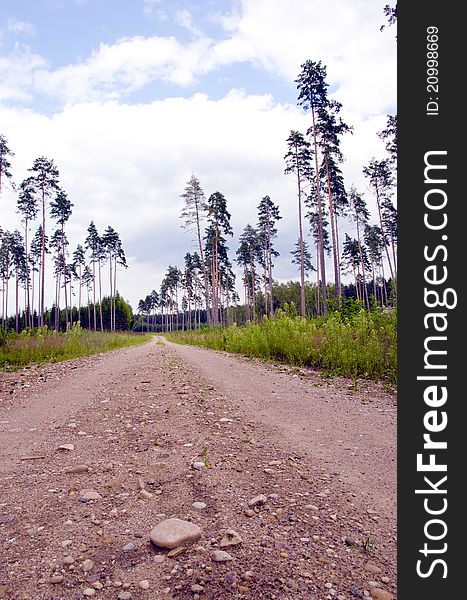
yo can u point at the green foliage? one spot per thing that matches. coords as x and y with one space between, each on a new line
45 345
356 343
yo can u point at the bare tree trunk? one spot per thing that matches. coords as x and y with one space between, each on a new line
320 220
333 236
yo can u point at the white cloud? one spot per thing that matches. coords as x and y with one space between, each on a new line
361 61
18 70
16 26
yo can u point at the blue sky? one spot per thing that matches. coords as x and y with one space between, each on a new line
128 97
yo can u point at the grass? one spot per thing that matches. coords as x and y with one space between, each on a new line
43 345
360 345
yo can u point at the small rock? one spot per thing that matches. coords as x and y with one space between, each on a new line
197 589
350 541
87 495
221 556
124 596
78 469
199 505
231 538
97 585
68 560
66 447
371 568
128 547
379 594
385 580
198 465
89 592
145 495
311 507
56 579
174 532
258 500
249 512
87 565
144 584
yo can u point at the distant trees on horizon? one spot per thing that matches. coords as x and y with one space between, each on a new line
23 257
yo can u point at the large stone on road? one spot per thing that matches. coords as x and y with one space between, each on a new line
174 532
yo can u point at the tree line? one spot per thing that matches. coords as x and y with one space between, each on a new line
204 289
26 257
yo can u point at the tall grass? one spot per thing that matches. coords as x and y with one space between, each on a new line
360 345
43 345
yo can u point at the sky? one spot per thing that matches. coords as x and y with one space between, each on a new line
129 97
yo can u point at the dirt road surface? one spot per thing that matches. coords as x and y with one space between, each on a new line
300 467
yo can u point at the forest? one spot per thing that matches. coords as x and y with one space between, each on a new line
203 292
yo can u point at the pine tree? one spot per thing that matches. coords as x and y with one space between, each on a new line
193 212
312 96
79 262
360 215
268 215
28 208
92 243
44 184
297 160
381 180
60 209
329 128
219 220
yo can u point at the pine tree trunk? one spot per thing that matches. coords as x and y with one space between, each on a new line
100 295
320 220
203 265
333 235
42 258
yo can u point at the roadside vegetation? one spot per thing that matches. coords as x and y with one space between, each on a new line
360 344
45 345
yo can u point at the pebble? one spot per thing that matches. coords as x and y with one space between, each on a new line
197 589
128 547
221 556
379 594
258 500
144 584
249 512
311 507
145 495
230 538
124 596
87 565
66 447
199 505
371 568
198 465
78 469
89 592
97 585
56 579
86 495
171 533
68 560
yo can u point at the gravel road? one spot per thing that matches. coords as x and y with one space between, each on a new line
95 452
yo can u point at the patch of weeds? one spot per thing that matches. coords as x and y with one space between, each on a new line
368 546
206 457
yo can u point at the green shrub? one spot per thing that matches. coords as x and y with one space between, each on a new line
355 343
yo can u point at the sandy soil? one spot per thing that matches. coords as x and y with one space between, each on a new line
322 451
